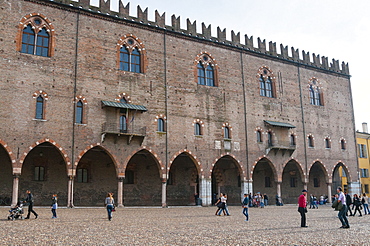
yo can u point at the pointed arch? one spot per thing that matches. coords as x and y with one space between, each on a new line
206 69
194 158
131 54
322 167
315 92
267 82
11 155
270 164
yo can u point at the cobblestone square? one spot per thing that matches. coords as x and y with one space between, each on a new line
183 226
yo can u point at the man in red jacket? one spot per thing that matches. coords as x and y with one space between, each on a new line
302 207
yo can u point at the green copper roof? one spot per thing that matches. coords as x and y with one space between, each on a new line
280 124
124 105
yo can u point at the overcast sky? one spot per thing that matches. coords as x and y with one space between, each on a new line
337 29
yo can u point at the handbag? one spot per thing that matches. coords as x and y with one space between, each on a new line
114 209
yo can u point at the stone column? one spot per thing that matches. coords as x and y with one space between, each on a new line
164 193
278 188
247 188
70 192
120 192
205 191
329 193
15 189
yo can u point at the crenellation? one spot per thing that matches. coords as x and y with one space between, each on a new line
306 57
175 23
206 31
295 54
284 51
124 11
191 27
160 20
104 6
335 66
249 42
221 35
345 68
141 15
324 62
85 4
261 45
316 60
272 48
235 38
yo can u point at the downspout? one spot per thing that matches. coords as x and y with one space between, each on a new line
245 120
73 172
303 123
165 110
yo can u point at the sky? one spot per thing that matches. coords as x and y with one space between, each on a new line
337 29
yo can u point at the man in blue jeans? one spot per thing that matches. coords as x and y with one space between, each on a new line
245 206
342 213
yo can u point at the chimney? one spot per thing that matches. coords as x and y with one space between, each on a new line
364 127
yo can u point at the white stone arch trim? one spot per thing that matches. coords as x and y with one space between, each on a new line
243 173
194 158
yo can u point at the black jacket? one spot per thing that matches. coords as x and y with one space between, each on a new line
29 198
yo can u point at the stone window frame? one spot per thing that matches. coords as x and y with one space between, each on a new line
198 125
259 135
265 75
327 142
205 59
310 141
316 95
158 119
30 19
45 98
83 100
227 127
131 42
293 139
343 144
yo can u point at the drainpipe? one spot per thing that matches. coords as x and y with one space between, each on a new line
165 178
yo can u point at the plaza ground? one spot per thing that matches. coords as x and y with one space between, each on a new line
183 226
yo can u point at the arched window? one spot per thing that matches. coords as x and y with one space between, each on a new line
39 107
123 100
123 123
35 36
131 54
292 140
259 136
315 93
267 82
269 139
327 143
160 125
206 70
310 142
79 112
227 132
343 144
197 129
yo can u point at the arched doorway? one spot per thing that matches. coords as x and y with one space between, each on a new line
317 183
142 184
95 177
264 177
6 177
226 179
183 181
340 178
44 174
292 182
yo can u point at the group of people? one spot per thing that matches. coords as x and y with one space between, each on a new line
258 200
222 205
357 203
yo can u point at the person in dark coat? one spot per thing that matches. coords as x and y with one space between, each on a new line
30 201
348 202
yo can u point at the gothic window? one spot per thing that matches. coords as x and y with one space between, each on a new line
227 132
39 107
197 129
310 142
292 140
266 82
123 123
79 112
206 70
343 144
160 125
316 97
327 143
269 139
259 136
131 54
35 36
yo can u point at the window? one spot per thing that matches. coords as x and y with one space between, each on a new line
197 129
227 132
123 123
131 54
362 153
293 182
315 92
343 144
39 174
259 136
327 143
267 182
130 177
39 108
310 142
366 188
160 125
316 182
266 81
269 139
364 173
82 175
79 112
292 140
35 35
206 70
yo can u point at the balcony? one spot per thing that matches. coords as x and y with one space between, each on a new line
283 147
130 132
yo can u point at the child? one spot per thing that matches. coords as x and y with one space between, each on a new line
54 206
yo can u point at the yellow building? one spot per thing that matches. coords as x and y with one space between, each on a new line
363 153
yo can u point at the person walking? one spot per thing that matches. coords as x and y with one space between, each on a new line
109 203
219 205
342 212
54 206
365 202
29 201
245 206
302 207
357 205
348 202
224 208
266 199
